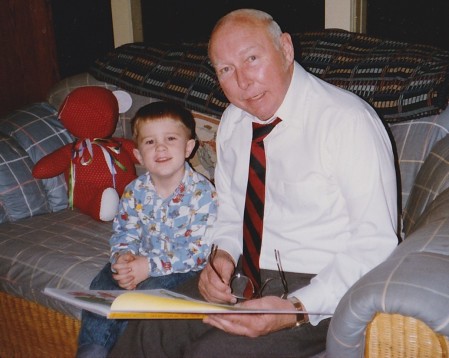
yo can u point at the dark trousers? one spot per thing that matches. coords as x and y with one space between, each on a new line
98 330
192 338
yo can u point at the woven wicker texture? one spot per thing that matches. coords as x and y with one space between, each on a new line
31 330
397 336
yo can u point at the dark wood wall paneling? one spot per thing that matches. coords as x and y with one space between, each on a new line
42 41
28 66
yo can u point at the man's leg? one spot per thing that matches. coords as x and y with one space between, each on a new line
194 339
303 341
158 338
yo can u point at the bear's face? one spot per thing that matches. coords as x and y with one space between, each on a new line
90 112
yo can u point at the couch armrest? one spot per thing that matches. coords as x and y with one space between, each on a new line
412 282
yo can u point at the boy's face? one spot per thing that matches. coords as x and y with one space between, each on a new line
162 147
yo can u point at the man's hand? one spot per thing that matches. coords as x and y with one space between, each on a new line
131 270
210 285
255 325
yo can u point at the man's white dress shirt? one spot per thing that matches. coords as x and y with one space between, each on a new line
331 195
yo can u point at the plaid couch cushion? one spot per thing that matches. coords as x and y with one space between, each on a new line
65 249
414 140
431 181
400 80
20 194
38 131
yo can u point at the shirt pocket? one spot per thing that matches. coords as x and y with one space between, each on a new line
310 196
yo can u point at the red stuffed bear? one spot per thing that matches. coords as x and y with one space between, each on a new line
97 166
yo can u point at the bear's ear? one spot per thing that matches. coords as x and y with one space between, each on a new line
124 100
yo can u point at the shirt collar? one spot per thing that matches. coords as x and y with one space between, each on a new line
185 182
295 94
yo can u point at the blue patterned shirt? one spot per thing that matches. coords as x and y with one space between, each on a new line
170 231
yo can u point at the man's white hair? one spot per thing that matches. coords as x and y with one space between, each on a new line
254 15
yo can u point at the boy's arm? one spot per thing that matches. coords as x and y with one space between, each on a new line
127 234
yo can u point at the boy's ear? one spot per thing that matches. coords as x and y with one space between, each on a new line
190 145
138 156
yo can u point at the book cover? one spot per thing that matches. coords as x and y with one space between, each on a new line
146 304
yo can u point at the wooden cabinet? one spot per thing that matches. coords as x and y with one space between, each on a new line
28 65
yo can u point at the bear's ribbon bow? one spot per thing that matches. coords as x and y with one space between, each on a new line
83 154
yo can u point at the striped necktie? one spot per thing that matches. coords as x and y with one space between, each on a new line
254 202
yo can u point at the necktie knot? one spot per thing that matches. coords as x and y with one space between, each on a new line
261 130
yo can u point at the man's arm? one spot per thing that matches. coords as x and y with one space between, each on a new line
361 156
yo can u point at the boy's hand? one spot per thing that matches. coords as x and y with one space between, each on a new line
130 270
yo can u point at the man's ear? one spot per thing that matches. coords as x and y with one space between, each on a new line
138 156
190 145
287 47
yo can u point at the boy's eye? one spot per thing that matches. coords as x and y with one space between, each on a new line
149 141
171 138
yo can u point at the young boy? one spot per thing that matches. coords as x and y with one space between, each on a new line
158 239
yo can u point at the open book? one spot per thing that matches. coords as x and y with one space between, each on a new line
150 304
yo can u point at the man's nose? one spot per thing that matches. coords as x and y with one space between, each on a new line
242 79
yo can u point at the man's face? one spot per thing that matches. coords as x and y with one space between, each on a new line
253 73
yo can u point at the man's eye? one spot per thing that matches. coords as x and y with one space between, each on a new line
224 71
251 58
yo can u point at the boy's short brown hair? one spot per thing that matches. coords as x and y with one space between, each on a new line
160 110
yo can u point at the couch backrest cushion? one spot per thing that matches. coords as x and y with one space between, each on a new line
414 140
432 179
400 80
38 132
20 194
176 72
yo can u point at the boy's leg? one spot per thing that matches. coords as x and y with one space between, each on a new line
98 334
169 282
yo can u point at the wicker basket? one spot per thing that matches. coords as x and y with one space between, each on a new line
397 336
28 329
